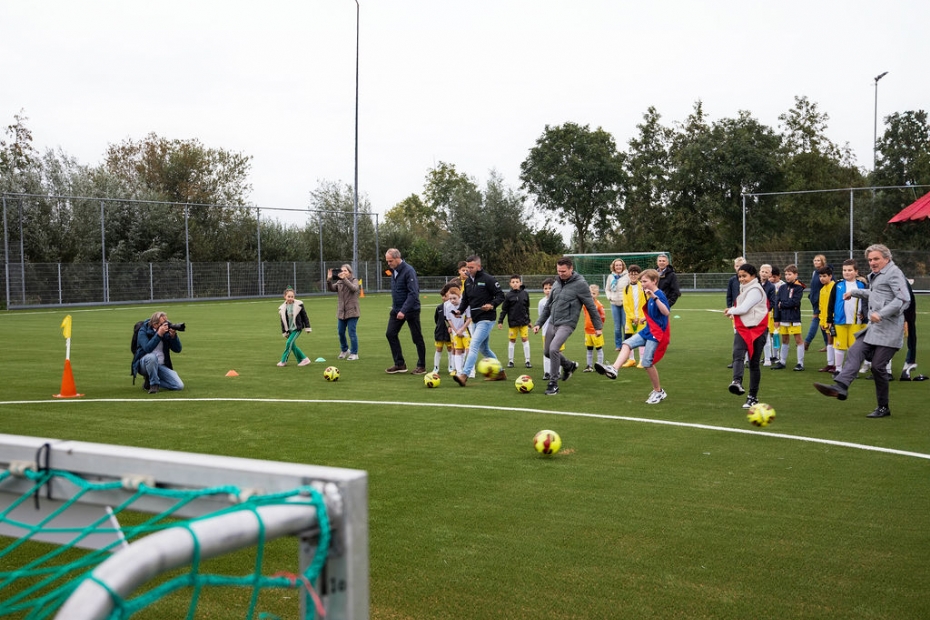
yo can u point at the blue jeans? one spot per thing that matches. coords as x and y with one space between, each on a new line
341 326
159 375
479 344
619 324
815 326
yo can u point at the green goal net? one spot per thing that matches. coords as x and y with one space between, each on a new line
149 535
596 267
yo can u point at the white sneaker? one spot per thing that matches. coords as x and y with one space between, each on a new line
352 356
656 397
767 362
343 355
304 362
865 367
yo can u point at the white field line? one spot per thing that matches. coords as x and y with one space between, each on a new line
601 416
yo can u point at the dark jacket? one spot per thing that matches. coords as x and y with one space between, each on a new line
301 320
770 293
405 290
788 308
480 290
442 329
668 284
147 341
565 302
516 308
732 291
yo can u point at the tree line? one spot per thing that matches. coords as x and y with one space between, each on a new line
676 186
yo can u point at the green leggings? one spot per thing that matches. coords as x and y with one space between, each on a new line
292 346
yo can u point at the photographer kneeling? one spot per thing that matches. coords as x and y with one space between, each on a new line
157 338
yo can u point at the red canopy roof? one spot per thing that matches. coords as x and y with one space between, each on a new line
919 210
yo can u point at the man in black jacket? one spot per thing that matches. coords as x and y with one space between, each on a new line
405 308
483 295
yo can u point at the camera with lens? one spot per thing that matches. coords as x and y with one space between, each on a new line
178 327
334 275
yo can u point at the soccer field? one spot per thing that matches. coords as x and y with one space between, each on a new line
679 510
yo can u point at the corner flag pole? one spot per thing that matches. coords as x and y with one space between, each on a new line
68 390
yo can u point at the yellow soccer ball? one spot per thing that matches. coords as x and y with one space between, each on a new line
761 414
547 442
431 379
331 373
489 367
524 384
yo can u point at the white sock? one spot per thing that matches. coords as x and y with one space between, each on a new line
600 355
831 355
459 361
437 359
546 365
783 356
526 350
510 348
801 354
838 357
590 356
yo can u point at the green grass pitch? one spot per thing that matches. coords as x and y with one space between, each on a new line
632 519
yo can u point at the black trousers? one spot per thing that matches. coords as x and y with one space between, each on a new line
412 319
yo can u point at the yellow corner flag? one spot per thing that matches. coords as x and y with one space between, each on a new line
66 327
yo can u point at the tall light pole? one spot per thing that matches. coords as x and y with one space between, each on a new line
355 210
875 136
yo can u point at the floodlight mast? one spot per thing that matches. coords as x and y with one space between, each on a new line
355 210
875 133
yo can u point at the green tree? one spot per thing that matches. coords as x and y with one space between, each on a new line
332 215
903 159
811 161
577 174
647 164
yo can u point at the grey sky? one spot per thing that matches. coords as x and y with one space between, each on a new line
472 83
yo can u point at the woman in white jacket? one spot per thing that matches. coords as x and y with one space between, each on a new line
617 280
750 318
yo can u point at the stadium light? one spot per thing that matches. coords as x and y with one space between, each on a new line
875 135
355 210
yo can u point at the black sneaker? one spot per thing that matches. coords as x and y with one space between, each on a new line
510 364
750 401
546 376
567 372
605 369
799 368
528 365
737 388
552 389
778 366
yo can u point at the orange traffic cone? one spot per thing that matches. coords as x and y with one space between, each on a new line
67 383
361 291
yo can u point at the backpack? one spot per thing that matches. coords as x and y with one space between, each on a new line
134 344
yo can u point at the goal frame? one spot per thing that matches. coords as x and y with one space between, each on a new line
343 584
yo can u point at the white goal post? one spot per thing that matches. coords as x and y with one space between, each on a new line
343 585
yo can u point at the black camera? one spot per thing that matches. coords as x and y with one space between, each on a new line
334 275
178 327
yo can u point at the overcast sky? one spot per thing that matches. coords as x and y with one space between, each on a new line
472 83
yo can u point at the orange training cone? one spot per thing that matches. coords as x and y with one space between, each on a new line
67 383
232 373
361 291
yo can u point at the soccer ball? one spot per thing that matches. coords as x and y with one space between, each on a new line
761 414
431 379
489 367
524 384
547 442
331 373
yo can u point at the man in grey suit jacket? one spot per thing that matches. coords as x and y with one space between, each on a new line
888 298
